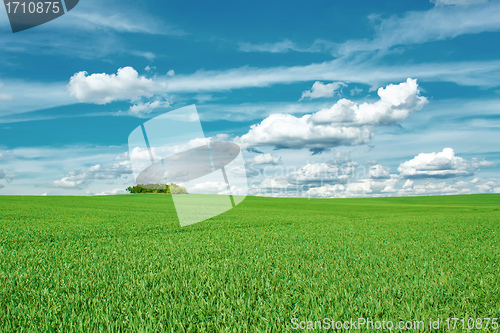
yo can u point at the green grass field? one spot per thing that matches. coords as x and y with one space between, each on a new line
122 263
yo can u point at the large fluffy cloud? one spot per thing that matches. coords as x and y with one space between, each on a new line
104 88
344 124
396 103
443 164
288 131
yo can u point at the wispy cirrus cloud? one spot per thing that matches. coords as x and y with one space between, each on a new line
287 46
435 24
93 29
447 20
467 73
457 2
142 109
141 24
115 16
3 96
24 96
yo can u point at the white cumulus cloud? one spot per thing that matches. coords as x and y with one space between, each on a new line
443 164
378 171
104 88
344 124
396 103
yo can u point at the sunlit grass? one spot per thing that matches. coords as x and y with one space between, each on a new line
122 262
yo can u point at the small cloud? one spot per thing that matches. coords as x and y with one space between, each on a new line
150 69
209 187
142 109
321 90
254 150
262 159
278 47
145 54
171 73
356 91
8 177
113 192
203 98
379 172
408 184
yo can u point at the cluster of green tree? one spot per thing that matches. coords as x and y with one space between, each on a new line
157 188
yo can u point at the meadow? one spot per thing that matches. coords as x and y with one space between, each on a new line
122 263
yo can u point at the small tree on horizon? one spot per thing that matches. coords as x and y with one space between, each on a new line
157 189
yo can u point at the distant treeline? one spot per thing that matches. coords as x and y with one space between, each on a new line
157 188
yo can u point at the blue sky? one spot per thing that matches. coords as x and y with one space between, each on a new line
328 98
